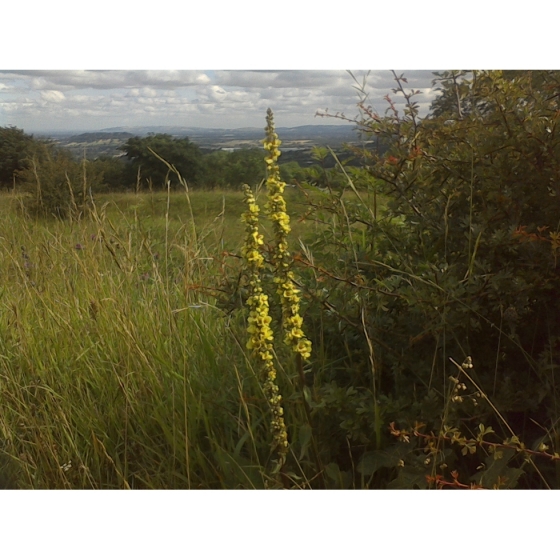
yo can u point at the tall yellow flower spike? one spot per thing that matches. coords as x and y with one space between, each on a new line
282 259
261 337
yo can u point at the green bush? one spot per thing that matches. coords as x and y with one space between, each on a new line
112 170
462 262
15 147
55 185
227 170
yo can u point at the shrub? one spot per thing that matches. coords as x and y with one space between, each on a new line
463 261
55 185
112 171
15 146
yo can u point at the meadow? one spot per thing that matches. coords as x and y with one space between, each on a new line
118 369
124 360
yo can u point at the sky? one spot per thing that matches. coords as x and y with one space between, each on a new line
79 100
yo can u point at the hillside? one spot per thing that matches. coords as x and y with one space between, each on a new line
300 139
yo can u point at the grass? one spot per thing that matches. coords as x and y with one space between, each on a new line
120 369
117 370
114 372
216 213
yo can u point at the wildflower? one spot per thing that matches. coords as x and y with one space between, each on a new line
282 259
261 336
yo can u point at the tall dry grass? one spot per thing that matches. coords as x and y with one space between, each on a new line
114 371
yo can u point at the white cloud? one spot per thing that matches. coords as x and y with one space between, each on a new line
91 100
53 96
110 79
281 78
216 93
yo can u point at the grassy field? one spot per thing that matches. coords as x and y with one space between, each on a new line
116 368
123 357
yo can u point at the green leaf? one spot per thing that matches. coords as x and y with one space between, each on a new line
497 471
409 478
333 471
510 478
372 461
305 435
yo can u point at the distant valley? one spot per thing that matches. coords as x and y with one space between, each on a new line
296 141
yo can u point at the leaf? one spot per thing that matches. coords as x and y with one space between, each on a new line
305 435
333 471
497 470
241 443
409 478
372 461
510 478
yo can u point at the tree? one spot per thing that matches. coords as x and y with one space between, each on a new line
292 172
15 147
146 155
111 169
225 169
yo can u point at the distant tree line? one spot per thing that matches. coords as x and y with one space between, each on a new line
60 184
151 162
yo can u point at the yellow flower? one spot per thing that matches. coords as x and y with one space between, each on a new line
282 259
261 336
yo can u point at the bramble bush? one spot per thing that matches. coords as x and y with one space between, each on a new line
461 263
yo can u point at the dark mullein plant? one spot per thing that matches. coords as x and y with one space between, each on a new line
284 279
261 336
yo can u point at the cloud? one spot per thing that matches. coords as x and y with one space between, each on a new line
216 93
90 100
280 78
111 79
53 96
